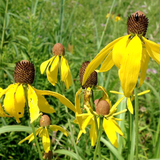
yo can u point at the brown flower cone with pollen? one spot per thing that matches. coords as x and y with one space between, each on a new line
102 107
58 49
92 79
24 72
45 121
48 155
137 23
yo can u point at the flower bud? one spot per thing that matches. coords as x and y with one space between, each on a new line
45 121
102 107
58 49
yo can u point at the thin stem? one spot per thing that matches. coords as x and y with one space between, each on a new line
136 120
33 129
4 24
98 146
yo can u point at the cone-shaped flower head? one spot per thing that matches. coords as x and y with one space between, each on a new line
48 155
137 23
52 65
129 53
16 95
43 132
92 79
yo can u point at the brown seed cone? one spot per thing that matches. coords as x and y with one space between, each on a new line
102 107
45 121
48 155
58 49
137 23
92 79
24 72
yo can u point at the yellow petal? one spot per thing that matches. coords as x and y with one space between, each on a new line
98 59
116 92
31 136
86 122
153 50
58 128
43 104
93 134
116 127
144 65
144 92
2 113
52 72
65 73
79 135
105 95
107 64
20 101
130 106
61 98
33 104
78 107
45 65
130 66
9 102
46 141
118 50
110 132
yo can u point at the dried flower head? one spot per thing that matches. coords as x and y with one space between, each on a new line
102 107
92 79
48 155
58 49
24 72
137 23
45 121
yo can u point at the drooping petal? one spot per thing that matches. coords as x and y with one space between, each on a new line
110 132
78 107
65 73
79 135
153 49
46 140
107 63
98 59
45 65
31 136
130 106
144 65
44 105
9 102
116 92
116 127
105 95
118 50
61 98
86 123
2 113
58 128
20 101
52 71
130 66
93 134
144 92
33 104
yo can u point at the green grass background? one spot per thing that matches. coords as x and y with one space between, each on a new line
31 30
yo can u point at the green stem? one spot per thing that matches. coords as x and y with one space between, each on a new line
33 129
4 24
98 146
136 120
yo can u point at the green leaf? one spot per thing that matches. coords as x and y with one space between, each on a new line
69 153
23 38
112 149
15 128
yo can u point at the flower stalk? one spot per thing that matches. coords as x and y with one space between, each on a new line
98 146
136 119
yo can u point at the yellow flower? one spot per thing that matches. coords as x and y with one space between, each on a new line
43 132
130 99
51 66
117 18
16 95
129 53
14 101
110 125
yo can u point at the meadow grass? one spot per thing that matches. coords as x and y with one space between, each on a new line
31 28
